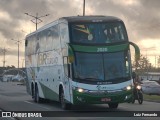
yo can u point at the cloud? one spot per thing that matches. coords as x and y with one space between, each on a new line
4 16
140 16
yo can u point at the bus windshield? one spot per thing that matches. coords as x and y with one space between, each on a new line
98 33
101 66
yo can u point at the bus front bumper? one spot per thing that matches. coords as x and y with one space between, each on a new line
96 98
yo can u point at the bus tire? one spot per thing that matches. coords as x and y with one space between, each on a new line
64 105
113 105
37 99
32 91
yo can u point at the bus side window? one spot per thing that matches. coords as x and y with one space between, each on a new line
64 34
49 40
121 33
34 38
116 34
42 41
55 37
26 43
37 44
27 46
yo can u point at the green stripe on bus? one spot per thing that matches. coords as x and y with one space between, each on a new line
113 48
48 93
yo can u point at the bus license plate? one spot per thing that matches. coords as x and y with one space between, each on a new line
105 99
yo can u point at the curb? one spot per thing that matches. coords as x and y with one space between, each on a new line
152 101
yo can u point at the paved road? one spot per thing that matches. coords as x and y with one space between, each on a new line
13 97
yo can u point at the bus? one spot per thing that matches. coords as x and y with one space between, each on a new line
80 60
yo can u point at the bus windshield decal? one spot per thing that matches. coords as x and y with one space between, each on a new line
102 49
82 29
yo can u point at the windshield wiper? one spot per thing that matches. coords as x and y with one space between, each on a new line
118 78
89 78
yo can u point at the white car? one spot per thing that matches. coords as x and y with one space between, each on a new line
151 87
17 78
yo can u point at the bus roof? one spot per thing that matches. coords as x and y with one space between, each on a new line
91 18
78 19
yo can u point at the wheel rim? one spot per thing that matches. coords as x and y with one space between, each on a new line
37 96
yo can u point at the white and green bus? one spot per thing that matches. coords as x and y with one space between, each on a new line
80 60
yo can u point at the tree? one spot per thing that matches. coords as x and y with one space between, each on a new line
143 64
12 66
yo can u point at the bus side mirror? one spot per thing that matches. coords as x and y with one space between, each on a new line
137 51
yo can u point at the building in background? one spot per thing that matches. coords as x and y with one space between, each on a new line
154 76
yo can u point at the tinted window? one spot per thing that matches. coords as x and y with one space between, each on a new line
101 66
89 66
98 32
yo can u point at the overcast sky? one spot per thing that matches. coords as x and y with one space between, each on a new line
141 17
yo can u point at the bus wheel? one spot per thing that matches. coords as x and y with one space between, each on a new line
36 97
64 105
113 105
32 92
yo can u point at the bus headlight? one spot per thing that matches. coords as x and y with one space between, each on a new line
80 90
128 88
139 87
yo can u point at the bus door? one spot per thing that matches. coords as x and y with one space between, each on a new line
67 78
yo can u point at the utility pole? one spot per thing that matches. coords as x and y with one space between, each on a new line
83 7
36 19
17 42
23 62
4 50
